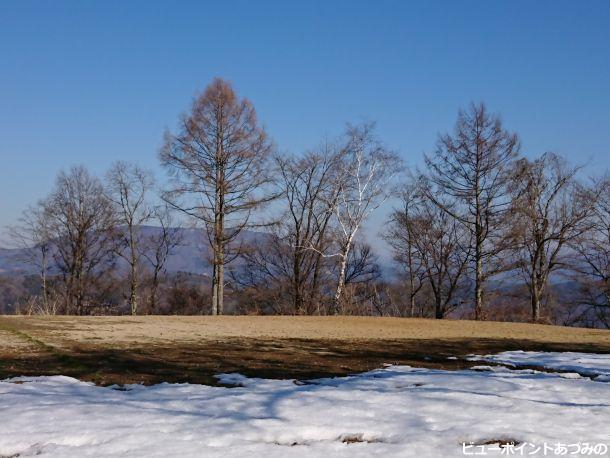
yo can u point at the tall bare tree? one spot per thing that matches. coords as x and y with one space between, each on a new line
468 177
127 188
288 263
593 262
365 182
218 161
552 210
309 187
80 219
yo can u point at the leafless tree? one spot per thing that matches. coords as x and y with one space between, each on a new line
127 188
438 247
33 236
292 263
593 263
443 247
468 178
309 188
400 235
552 210
158 246
365 182
80 219
218 162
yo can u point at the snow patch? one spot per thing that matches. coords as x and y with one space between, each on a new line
588 364
394 411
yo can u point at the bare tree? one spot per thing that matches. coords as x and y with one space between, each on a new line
468 178
33 236
127 188
552 210
80 219
437 248
218 161
400 235
309 186
443 248
158 247
293 261
365 183
593 263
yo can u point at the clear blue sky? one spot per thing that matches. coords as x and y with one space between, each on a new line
92 82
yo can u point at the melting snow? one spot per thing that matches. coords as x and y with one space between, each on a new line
395 411
589 364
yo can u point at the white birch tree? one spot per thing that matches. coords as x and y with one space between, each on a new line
365 182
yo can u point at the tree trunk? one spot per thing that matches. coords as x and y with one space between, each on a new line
133 293
342 272
340 284
153 293
218 281
79 293
535 304
478 294
438 298
412 303
220 284
478 306
479 238
215 285
536 290
438 311
218 278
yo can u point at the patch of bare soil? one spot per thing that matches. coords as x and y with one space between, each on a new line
152 349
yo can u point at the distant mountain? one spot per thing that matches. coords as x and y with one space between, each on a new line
192 256
12 263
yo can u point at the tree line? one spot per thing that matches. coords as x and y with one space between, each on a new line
477 230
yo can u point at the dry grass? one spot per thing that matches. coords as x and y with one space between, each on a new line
178 348
146 329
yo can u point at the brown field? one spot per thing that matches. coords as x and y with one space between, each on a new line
153 349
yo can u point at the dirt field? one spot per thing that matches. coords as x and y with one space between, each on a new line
152 349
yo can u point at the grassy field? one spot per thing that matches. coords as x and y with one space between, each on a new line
154 349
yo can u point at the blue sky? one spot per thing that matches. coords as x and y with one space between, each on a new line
85 82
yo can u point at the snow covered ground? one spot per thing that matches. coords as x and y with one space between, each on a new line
591 364
396 411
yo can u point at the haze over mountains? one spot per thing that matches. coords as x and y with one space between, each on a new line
193 255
